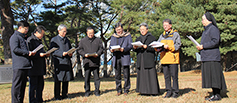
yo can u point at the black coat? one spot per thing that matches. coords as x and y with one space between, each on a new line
38 63
62 64
148 53
93 45
210 41
19 51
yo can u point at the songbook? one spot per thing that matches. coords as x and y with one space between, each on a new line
138 43
71 50
92 54
51 50
193 40
38 48
115 47
156 44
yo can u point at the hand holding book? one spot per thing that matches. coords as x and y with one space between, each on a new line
91 55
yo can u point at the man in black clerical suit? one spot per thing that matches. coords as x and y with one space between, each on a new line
62 62
90 48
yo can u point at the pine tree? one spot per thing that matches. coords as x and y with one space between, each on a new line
186 16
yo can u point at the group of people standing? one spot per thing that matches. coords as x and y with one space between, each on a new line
147 81
32 64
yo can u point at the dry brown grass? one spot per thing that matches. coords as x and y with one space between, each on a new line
189 84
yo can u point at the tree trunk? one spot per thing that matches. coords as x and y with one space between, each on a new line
7 28
105 60
79 69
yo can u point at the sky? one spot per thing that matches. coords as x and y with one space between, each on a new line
41 8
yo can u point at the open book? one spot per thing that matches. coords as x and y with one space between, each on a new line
115 47
51 50
38 48
156 44
71 50
138 43
92 54
193 40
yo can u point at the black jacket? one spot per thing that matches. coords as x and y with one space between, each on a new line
19 51
63 45
62 64
38 63
93 45
148 53
210 41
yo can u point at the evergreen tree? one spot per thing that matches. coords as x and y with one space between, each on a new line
186 16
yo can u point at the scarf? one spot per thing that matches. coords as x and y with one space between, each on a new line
169 34
124 34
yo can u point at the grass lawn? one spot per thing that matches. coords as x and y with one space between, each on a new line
189 83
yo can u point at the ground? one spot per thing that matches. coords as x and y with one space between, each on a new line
189 84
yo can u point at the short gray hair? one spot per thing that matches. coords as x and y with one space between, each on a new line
143 24
167 20
61 26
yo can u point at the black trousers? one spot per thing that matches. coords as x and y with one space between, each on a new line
36 88
18 85
95 71
57 88
171 70
126 75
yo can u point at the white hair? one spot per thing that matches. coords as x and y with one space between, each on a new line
61 26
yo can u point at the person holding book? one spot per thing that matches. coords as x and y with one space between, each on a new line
147 82
20 61
62 62
169 58
121 57
38 70
91 48
212 75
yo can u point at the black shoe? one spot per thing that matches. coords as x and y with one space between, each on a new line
97 94
65 97
175 95
168 94
58 98
216 97
87 94
209 98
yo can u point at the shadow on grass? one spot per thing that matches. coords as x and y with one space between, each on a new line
70 96
81 79
82 94
181 91
185 90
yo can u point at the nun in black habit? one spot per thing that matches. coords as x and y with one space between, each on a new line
147 81
212 75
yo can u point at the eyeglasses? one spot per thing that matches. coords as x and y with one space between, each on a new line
143 29
26 29
166 25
